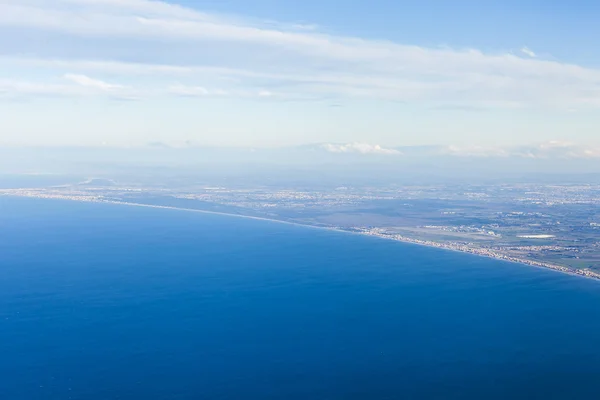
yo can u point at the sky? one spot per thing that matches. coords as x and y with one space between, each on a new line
264 73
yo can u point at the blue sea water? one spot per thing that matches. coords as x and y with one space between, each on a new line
113 302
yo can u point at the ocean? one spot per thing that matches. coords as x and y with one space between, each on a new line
101 301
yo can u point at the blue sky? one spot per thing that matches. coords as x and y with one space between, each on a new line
470 74
563 29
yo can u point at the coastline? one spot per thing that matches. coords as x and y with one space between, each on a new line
373 233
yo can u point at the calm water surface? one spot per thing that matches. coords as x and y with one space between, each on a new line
113 302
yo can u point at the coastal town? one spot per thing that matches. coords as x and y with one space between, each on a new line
469 248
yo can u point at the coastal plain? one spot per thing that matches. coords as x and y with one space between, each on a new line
553 226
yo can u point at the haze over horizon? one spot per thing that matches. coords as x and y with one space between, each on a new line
481 79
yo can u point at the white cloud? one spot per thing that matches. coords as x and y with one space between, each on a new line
193 91
86 81
528 52
546 150
109 67
557 149
201 91
292 59
78 86
14 88
265 93
361 148
474 151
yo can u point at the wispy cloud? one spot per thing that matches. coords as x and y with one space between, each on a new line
192 91
474 151
249 57
201 91
547 150
361 148
75 85
15 88
88 82
528 52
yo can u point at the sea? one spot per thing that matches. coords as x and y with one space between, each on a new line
101 301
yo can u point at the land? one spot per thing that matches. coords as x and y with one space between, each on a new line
551 226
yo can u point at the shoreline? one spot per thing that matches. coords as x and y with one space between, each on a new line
523 262
395 238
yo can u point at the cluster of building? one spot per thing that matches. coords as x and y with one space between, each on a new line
472 249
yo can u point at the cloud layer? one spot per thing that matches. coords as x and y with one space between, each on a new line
546 150
192 53
540 151
361 148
